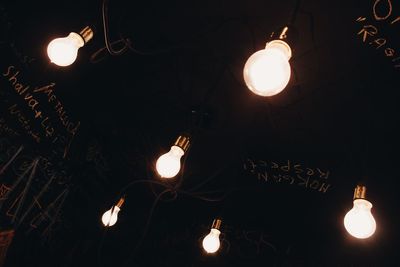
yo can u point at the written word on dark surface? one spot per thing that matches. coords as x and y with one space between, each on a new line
35 135
290 173
380 30
33 108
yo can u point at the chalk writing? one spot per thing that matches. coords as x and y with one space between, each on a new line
256 240
33 182
59 108
5 129
36 200
4 191
51 213
31 167
289 172
33 98
95 155
12 75
370 32
14 110
51 171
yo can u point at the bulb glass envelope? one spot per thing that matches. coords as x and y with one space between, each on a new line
267 72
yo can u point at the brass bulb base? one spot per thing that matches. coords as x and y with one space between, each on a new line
183 142
120 202
86 34
287 33
360 192
216 224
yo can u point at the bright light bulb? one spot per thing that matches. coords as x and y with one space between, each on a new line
63 51
267 72
359 221
110 218
211 242
169 164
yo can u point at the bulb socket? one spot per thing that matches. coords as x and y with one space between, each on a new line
120 202
360 192
86 34
216 224
183 141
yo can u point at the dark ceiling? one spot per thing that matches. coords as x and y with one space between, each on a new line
279 171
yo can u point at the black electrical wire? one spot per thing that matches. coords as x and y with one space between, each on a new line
204 182
146 228
295 12
109 45
127 43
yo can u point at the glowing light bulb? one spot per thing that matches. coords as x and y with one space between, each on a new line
211 242
110 217
267 72
169 164
359 221
64 51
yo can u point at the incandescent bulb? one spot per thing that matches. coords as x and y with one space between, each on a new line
63 51
267 72
169 164
110 217
211 242
359 221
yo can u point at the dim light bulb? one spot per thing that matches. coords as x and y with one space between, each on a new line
169 164
211 242
267 72
63 51
359 221
110 217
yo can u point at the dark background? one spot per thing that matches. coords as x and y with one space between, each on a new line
339 113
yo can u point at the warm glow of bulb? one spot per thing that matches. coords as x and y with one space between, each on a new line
169 164
108 218
359 221
63 51
267 72
211 242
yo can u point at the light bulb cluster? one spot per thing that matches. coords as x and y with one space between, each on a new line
266 73
358 222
